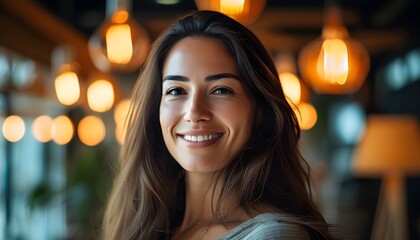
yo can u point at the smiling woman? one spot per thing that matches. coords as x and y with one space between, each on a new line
206 114
212 148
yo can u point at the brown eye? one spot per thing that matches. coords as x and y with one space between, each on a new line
175 91
223 90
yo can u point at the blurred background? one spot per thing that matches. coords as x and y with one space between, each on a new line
350 68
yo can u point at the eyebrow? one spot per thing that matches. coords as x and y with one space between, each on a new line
207 79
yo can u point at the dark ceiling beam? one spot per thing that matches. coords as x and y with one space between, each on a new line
27 16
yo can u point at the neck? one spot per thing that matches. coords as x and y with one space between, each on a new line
202 191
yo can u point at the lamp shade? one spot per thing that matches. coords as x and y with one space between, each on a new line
390 144
119 43
334 63
243 11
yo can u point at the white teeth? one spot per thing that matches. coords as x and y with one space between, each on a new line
201 138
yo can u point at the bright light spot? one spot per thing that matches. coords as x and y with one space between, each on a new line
13 128
121 111
91 130
62 130
232 7
100 96
291 86
120 116
307 115
120 17
41 128
333 63
67 88
119 45
413 64
348 122
396 74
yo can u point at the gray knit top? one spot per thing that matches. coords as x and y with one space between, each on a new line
267 226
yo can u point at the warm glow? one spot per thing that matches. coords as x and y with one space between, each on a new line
100 96
62 130
91 130
306 115
119 45
13 128
291 86
120 116
333 63
232 7
120 17
41 128
67 88
243 11
121 111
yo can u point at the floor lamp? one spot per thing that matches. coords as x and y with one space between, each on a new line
389 149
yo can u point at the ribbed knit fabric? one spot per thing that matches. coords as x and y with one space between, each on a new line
267 226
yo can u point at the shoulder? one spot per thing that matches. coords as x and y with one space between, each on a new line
268 226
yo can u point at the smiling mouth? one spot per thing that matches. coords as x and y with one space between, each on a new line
201 138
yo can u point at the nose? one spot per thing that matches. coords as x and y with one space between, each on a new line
197 109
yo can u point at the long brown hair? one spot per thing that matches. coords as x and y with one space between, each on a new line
147 197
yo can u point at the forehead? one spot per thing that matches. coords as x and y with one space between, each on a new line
199 53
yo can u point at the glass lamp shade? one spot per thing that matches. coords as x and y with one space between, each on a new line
306 115
334 63
66 83
119 44
243 11
91 130
62 130
101 92
13 128
41 128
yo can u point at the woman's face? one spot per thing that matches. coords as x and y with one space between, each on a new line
206 114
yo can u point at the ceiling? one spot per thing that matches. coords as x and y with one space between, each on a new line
381 25
384 27
387 28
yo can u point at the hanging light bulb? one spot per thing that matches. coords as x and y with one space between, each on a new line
62 130
243 11
334 63
66 85
13 128
306 115
101 92
119 43
41 128
66 80
91 130
291 86
285 64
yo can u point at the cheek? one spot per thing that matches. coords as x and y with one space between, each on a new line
239 116
168 114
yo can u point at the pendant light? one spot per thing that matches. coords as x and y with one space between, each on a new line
66 80
91 130
334 63
119 43
13 128
243 11
101 92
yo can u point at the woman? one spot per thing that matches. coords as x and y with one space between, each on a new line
211 149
